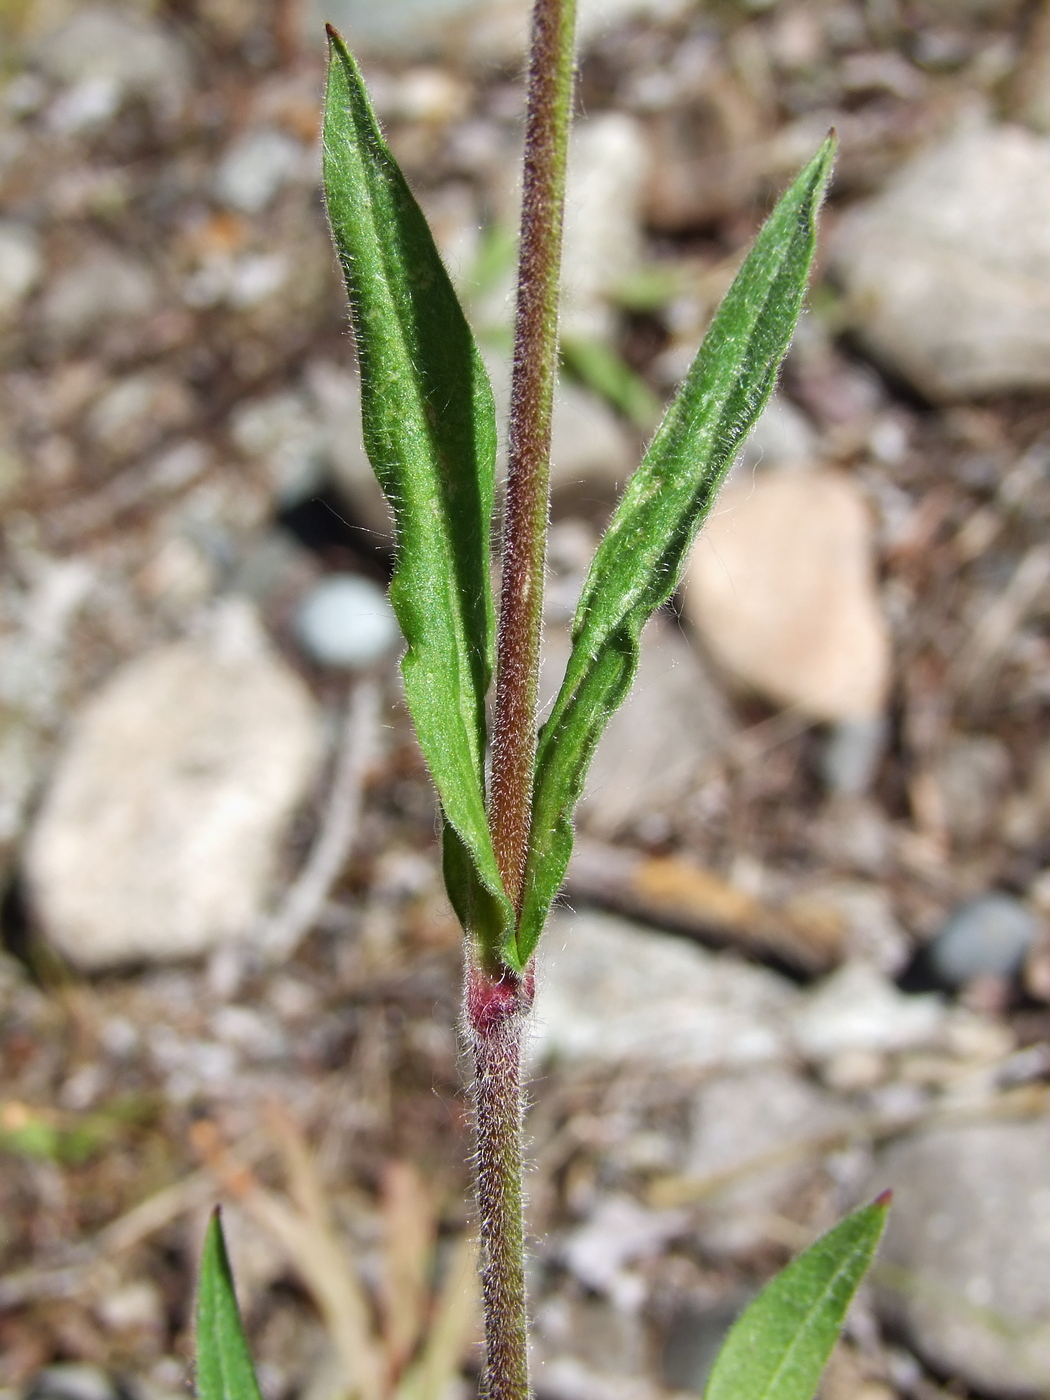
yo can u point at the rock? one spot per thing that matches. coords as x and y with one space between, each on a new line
971 1226
656 746
20 264
970 777
591 452
740 1119
873 934
988 937
255 167
107 55
947 271
592 455
35 676
336 406
857 1008
282 431
72 1381
346 622
608 164
159 835
137 411
618 1233
103 287
782 437
782 590
611 992
852 753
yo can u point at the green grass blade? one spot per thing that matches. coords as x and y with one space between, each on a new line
224 1364
638 563
430 432
778 1348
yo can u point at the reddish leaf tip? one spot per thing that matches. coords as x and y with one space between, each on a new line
883 1199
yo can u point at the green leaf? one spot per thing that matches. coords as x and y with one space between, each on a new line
778 1348
224 1364
430 432
639 562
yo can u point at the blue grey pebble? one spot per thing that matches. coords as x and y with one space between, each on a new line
988 936
346 622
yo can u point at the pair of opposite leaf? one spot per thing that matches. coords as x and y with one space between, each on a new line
430 432
775 1351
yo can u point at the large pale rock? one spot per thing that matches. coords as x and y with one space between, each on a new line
970 1225
160 832
947 271
608 164
658 745
782 589
611 992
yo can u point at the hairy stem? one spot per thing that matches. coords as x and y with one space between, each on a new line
532 391
496 1009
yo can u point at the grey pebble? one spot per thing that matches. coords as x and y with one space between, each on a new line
346 622
989 936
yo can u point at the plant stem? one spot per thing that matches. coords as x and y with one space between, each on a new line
532 392
497 1001
496 1011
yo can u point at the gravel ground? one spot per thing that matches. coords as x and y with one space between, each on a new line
178 448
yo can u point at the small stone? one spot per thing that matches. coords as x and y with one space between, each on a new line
947 271
105 286
138 410
608 165
122 52
781 588
619 1232
346 622
988 937
852 753
970 777
873 933
612 993
970 1225
20 264
159 835
857 1008
133 1307
256 166
283 432
72 1381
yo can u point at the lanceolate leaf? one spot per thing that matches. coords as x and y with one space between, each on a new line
430 432
638 563
224 1365
778 1349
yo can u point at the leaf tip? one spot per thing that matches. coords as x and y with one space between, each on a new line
883 1199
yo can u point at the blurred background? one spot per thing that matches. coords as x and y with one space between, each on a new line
804 950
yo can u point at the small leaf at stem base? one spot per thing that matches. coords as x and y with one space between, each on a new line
224 1364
